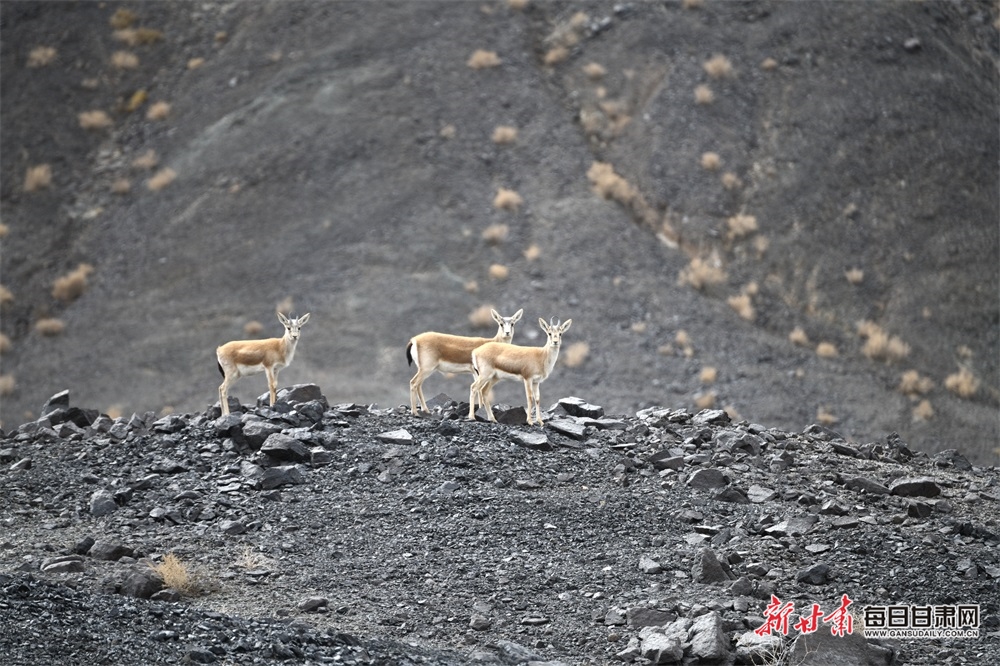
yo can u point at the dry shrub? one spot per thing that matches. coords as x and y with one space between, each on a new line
148 160
517 5
4 229
575 354
718 66
880 345
761 245
499 272
137 99
161 179
911 383
471 286
5 295
507 200
555 55
121 186
124 60
221 37
123 18
496 233
702 272
253 328
769 64
963 383
448 132
711 161
533 252
94 120
50 326
608 184
683 342
158 111
923 411
481 59
176 576
743 306
5 343
692 4
71 286
195 63
482 317
41 56
854 275
638 327
504 134
731 181
741 225
579 21
705 400
37 178
826 350
594 71
708 375
733 413
798 337
703 94
825 417
7 384
138 36
285 306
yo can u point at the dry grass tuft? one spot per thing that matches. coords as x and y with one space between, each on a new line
507 200
158 111
963 383
705 400
481 317
703 94
702 272
610 185
71 286
50 326
708 375
769 64
161 179
471 286
138 36
175 575
880 345
124 60
121 186
718 67
741 225
496 233
94 120
924 411
517 5
5 295
41 56
743 305
448 132
499 272
555 55
123 18
7 384
683 342
827 350
285 306
731 181
147 161
594 71
37 178
4 230
575 354
798 337
137 99
533 252
911 383
253 328
195 63
481 59
5 343
504 134
711 161
854 275
825 417
692 4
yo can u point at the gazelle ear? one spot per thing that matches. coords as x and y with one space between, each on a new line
283 319
303 319
543 324
517 316
565 326
496 317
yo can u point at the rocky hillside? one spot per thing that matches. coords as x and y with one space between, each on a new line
787 210
318 533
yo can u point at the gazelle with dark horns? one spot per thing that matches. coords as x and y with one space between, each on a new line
240 358
449 353
532 365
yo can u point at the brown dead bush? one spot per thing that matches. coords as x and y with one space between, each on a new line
575 354
37 178
71 286
50 326
481 59
718 67
507 200
963 383
41 56
161 179
504 134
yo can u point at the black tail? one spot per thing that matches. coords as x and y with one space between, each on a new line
409 357
221 371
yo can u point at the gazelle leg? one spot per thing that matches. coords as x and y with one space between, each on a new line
527 393
272 384
474 390
538 398
224 396
417 391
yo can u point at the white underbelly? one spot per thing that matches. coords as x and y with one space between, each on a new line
454 367
249 369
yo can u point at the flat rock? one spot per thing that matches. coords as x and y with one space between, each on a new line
821 648
110 551
915 487
732 494
708 569
578 407
648 565
666 459
706 479
661 649
817 574
752 648
645 616
300 393
759 494
793 526
275 477
102 502
401 436
861 484
709 642
283 447
531 439
569 427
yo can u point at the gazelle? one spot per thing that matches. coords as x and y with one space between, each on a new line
493 362
449 353
240 358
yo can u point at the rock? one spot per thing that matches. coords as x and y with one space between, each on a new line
844 449
167 595
479 623
21 465
141 584
569 427
644 616
821 648
399 437
232 527
951 457
915 487
64 564
167 467
735 440
741 587
834 508
615 617
919 510
759 494
84 545
732 494
666 459
199 656
515 653
285 448
508 415
579 407
711 417
661 649
55 403
257 431
526 484
869 486
709 641
111 551
313 604
102 502
708 569
531 439
912 45
752 648
707 479
300 393
648 565
817 574
793 526
169 424
275 477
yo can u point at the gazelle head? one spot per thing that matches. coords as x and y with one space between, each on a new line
554 330
506 324
293 325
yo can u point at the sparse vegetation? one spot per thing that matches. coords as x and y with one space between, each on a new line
702 272
94 120
37 178
741 225
517 5
718 67
138 36
496 234
533 252
504 134
879 345
708 375
609 184
448 131
575 354
175 575
705 400
912 383
827 350
798 337
683 342
41 56
482 317
123 18
158 111
285 306
161 179
594 71
743 305
555 55
507 200
147 161
124 60
481 59
50 326
195 63
854 275
71 286
121 186
924 411
731 181
253 328
4 230
963 383
5 343
711 161
5 295
703 94
499 272
769 64
7 385
825 417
